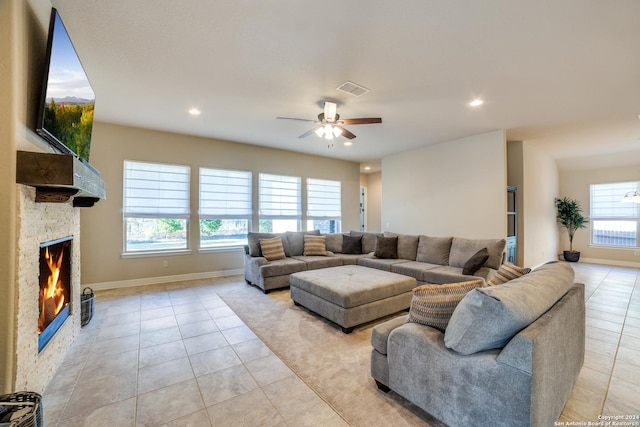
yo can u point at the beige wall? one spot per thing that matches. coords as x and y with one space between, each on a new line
575 184
456 188
539 189
102 230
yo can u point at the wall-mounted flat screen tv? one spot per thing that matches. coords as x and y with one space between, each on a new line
67 101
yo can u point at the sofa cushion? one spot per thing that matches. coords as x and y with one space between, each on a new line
387 247
434 250
412 268
476 261
463 249
272 249
352 245
282 267
507 271
384 264
380 332
407 245
443 274
296 241
369 240
315 245
334 242
488 318
317 262
433 305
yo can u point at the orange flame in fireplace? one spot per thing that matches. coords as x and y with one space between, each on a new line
52 299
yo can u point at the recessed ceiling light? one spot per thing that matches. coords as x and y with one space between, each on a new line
194 112
348 143
476 102
367 168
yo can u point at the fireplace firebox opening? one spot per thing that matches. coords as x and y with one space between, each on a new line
55 288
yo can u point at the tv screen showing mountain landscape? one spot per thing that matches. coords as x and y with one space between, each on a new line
69 100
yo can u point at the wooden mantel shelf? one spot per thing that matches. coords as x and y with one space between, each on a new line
59 177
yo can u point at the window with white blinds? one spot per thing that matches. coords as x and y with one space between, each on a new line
613 222
324 199
225 207
280 197
279 203
324 205
156 207
156 189
225 194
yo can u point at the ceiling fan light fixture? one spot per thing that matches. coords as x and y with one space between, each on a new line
631 197
337 131
320 131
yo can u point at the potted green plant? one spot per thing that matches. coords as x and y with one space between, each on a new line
570 217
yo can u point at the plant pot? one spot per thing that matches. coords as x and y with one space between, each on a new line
571 256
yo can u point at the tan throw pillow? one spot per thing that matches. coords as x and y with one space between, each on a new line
507 271
315 245
272 249
433 305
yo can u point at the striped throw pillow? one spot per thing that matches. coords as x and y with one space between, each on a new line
507 271
433 305
272 249
315 245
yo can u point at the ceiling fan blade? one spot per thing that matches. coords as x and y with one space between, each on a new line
345 133
309 132
362 121
293 118
330 109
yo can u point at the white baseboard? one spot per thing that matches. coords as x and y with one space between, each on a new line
161 279
611 262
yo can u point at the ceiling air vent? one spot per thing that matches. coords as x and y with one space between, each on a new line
352 89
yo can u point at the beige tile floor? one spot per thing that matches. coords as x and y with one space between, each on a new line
176 355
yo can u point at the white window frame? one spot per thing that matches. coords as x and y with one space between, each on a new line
324 201
280 198
609 207
225 194
153 190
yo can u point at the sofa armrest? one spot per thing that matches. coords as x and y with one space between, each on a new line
246 249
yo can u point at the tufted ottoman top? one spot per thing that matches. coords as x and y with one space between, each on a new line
352 285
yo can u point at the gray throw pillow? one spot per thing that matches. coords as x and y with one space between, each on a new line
434 250
463 249
488 318
352 245
476 261
387 247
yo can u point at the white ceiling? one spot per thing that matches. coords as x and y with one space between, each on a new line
564 75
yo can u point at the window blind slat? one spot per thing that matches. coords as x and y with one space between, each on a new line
156 189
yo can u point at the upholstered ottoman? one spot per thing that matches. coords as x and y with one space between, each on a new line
351 295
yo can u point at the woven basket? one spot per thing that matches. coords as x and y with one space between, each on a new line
22 409
86 306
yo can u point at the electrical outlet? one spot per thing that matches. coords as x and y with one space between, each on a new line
165 264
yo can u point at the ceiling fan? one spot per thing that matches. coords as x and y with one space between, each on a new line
330 126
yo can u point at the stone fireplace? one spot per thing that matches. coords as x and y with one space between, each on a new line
39 224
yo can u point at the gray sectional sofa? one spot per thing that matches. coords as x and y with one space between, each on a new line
427 259
509 356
